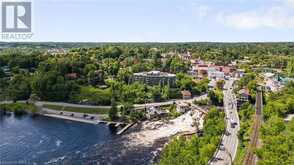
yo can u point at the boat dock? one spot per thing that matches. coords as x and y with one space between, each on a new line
125 128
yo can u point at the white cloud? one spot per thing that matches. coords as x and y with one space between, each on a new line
272 17
290 3
200 11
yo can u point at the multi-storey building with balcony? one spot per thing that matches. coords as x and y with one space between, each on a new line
155 78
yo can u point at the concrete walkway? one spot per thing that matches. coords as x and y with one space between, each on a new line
72 118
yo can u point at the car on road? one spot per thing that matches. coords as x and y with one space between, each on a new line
227 133
222 147
233 123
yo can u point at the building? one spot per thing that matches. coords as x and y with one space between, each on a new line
186 94
214 73
202 70
183 107
192 73
274 82
186 56
155 78
71 76
169 54
227 70
239 73
153 112
211 84
243 96
270 83
56 51
268 75
6 70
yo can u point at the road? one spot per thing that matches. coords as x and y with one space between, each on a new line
137 106
225 155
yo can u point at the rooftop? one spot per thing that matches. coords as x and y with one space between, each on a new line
244 91
155 73
186 93
268 75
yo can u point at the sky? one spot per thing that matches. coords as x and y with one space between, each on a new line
163 20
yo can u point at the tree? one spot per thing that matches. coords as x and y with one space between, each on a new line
173 111
200 87
177 65
277 136
195 150
216 97
290 67
88 68
2 74
246 79
156 57
124 75
220 84
34 98
165 92
184 82
113 110
126 108
273 126
156 93
19 88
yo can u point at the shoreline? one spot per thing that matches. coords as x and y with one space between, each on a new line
75 116
71 118
148 133
146 138
142 144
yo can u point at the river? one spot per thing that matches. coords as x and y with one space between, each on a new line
43 140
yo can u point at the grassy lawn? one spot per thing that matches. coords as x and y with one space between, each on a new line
18 107
77 109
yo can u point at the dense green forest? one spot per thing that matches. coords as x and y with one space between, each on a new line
79 72
277 136
97 65
246 113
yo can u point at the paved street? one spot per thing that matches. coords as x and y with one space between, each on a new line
137 106
171 102
230 140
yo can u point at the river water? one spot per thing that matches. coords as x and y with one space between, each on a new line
43 140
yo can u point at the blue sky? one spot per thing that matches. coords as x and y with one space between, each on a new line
163 20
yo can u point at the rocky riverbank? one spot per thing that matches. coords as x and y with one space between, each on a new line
140 145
